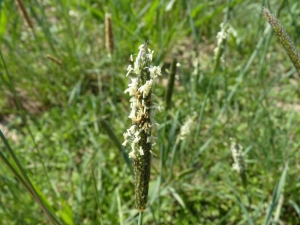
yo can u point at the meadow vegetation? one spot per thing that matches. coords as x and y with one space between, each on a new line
63 111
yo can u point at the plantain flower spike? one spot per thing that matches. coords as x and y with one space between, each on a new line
284 38
142 114
238 156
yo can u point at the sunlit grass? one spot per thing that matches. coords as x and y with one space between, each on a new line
65 121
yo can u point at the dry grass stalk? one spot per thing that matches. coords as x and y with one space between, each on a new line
23 12
54 59
109 42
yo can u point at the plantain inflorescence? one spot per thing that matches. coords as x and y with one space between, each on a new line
142 114
284 38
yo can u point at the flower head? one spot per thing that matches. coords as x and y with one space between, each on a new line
142 117
238 157
187 128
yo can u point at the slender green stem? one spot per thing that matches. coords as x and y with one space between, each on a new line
17 175
96 192
170 86
49 215
140 222
113 76
22 114
112 135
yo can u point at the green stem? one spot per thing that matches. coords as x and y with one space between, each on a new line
140 222
22 114
112 135
170 86
29 185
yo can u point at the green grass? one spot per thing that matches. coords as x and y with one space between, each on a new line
52 115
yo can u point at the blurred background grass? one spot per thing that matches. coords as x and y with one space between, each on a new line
51 111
